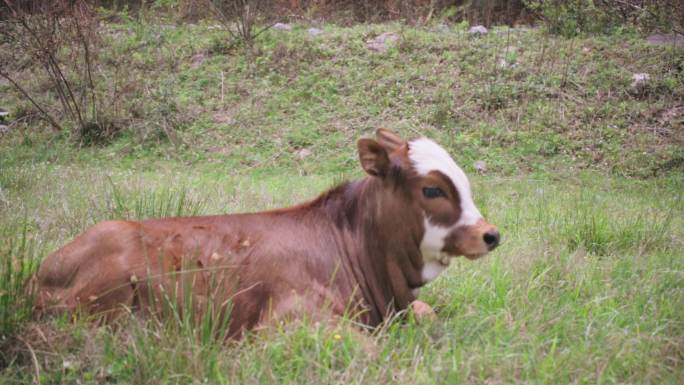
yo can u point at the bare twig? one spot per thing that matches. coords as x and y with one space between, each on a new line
241 15
34 359
43 31
222 87
567 63
668 5
56 126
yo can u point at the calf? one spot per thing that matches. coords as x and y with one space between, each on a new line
363 248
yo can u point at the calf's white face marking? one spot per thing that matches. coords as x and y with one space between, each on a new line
427 156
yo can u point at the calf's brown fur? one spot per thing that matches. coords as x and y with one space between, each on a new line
355 249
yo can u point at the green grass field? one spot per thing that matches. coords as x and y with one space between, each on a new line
584 181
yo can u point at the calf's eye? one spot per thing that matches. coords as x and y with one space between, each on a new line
433 192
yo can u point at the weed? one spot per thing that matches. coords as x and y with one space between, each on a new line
152 204
19 259
592 228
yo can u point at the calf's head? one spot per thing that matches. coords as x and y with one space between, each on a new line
422 184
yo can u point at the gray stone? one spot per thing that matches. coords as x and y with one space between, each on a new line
303 153
223 117
282 27
478 30
4 129
640 79
197 60
440 28
314 31
666 39
381 42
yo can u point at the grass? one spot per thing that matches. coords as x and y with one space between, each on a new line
587 287
552 102
583 180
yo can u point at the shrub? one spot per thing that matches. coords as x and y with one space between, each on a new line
572 17
62 36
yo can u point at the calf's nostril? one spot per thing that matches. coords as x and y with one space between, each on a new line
491 238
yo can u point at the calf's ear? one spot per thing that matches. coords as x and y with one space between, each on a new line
389 139
373 156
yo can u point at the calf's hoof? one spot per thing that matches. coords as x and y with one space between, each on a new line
422 311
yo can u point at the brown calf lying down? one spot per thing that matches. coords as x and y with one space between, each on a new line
362 248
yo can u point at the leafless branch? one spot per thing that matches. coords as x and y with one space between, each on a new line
56 126
45 32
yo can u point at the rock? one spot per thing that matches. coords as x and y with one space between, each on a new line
303 153
478 30
219 150
282 27
640 79
666 39
422 311
480 166
4 129
314 31
223 117
197 60
440 28
3 113
640 85
381 42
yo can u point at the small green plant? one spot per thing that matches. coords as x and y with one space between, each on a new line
496 95
163 120
591 227
18 262
165 202
442 115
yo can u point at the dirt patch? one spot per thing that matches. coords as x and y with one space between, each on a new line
666 124
666 38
